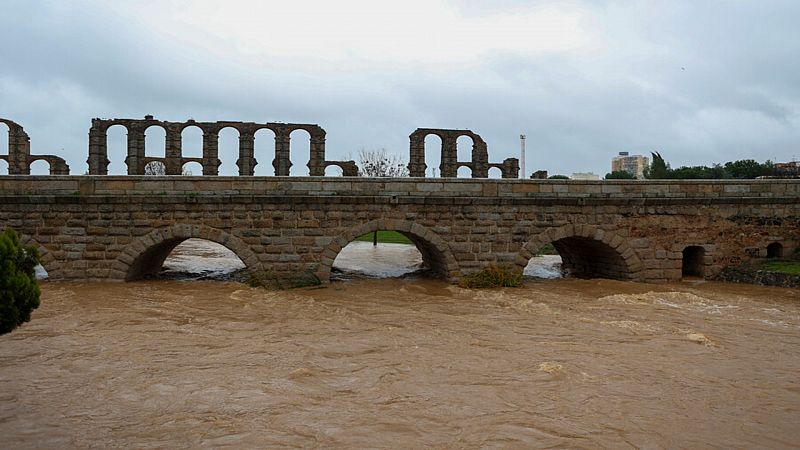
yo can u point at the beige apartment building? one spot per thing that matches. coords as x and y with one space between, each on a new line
633 164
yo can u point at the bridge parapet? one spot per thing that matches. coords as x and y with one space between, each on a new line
399 187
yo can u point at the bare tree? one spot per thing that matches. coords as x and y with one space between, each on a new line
158 168
155 168
379 163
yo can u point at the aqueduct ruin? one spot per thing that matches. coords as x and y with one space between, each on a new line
19 156
99 227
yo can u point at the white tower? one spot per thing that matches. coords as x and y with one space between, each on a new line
522 156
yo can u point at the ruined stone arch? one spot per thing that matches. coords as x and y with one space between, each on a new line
617 259
449 163
435 252
146 254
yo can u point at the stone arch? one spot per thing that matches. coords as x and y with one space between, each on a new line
145 255
191 143
264 142
148 150
578 243
40 164
228 153
775 250
436 253
300 158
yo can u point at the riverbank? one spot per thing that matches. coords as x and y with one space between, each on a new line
780 273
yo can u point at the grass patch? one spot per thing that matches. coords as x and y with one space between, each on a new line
782 266
385 237
547 249
493 276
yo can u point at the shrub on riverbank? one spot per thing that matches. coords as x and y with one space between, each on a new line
19 292
493 276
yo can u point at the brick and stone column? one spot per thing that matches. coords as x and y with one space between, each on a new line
448 167
173 151
211 160
480 159
282 162
98 151
135 158
246 161
416 160
316 162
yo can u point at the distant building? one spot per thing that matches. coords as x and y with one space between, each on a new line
787 169
584 176
633 164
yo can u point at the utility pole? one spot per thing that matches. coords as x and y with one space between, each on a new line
522 155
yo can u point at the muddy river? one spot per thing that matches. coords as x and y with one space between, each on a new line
404 363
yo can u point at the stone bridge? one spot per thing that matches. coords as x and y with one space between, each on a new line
123 227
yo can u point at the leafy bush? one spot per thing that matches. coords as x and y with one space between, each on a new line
19 293
493 276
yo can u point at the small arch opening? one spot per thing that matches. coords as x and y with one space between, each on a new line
155 168
333 171
464 172
192 142
579 257
300 152
264 151
40 167
117 149
775 250
388 254
228 151
155 141
4 132
464 146
187 259
192 168
693 263
3 167
433 155
495 172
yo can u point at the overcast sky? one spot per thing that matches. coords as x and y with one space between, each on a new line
700 81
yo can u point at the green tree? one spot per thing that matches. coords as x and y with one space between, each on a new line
558 177
714 172
748 169
19 293
620 175
659 169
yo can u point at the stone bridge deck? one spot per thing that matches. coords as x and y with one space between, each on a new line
122 228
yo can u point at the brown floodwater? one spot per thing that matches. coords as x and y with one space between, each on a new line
404 363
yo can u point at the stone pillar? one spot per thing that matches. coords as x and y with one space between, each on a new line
98 151
211 160
416 157
316 162
480 159
19 149
246 161
135 158
448 168
282 162
511 168
58 166
173 151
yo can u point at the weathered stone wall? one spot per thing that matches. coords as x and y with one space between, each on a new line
105 227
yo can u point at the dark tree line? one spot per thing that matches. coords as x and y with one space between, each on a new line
659 169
